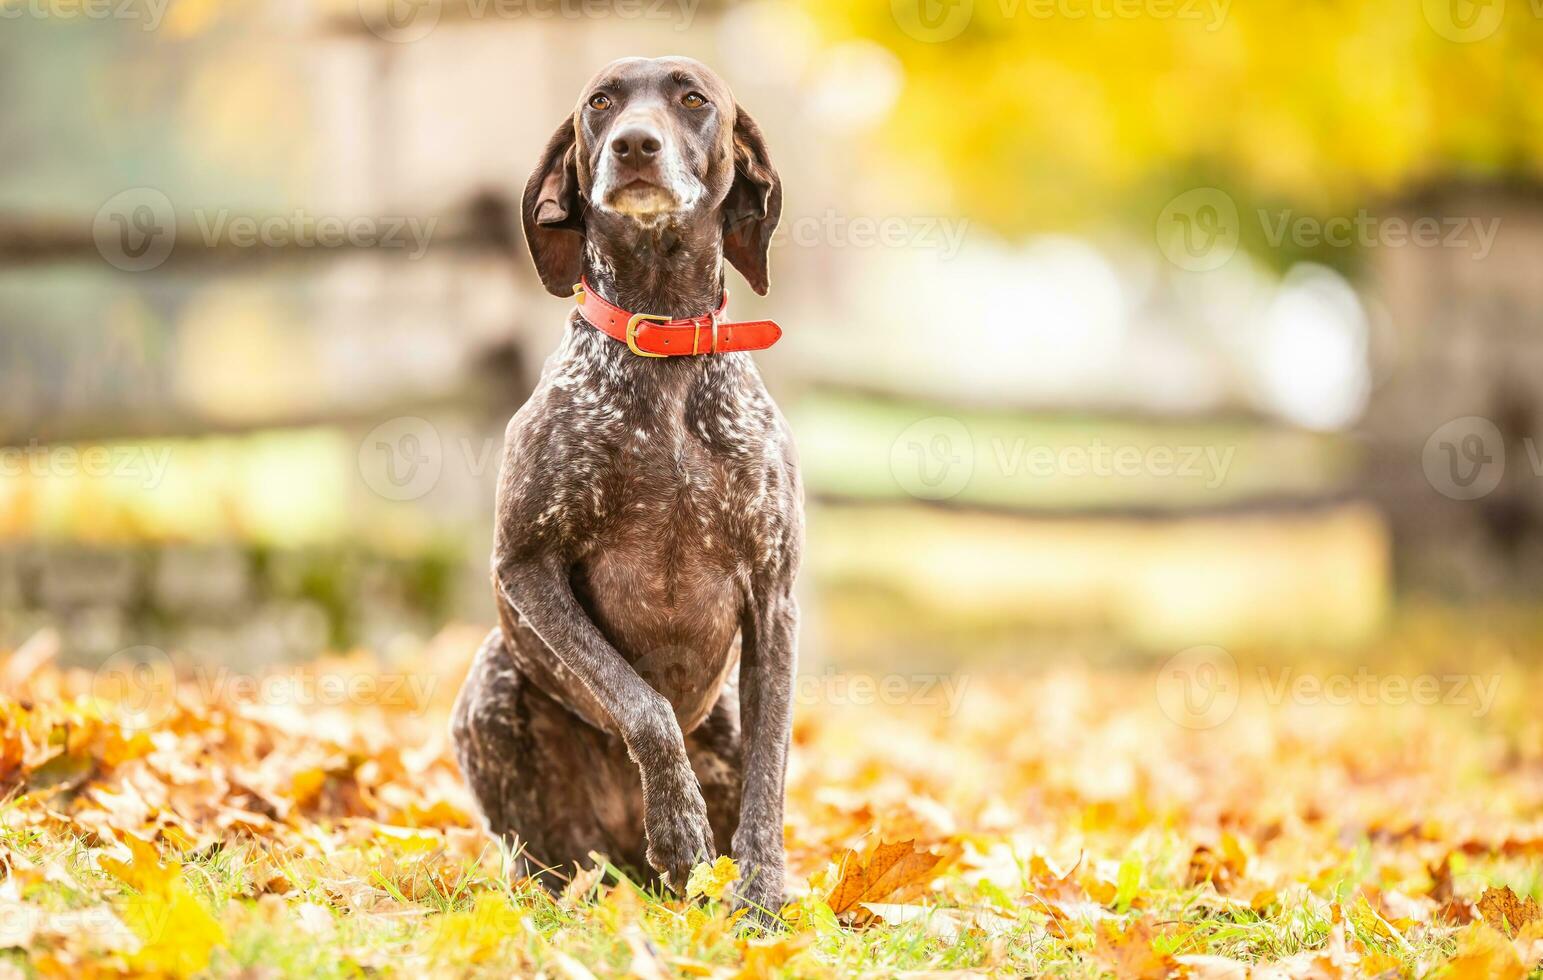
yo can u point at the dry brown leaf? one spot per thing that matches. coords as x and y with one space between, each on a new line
1441 889
888 871
1457 912
1129 953
1051 884
581 884
1502 909
945 924
1064 898
1223 866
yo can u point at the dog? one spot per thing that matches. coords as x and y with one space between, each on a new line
635 699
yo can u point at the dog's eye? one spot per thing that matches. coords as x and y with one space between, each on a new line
599 101
693 100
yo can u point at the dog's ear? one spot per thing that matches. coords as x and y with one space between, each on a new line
552 213
754 204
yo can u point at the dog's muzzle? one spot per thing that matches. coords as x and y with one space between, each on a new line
642 174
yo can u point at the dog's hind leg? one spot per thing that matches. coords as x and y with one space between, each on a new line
491 742
550 787
714 749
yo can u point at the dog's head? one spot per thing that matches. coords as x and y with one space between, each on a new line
656 143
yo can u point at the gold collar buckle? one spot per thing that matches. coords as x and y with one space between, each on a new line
632 333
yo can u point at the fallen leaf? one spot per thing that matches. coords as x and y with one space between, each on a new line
178 934
764 959
1129 952
1484 954
475 935
581 885
1222 866
888 871
712 880
1529 944
1050 883
1502 909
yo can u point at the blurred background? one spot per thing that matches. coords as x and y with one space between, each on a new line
1268 375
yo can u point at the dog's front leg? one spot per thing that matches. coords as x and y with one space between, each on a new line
675 815
767 662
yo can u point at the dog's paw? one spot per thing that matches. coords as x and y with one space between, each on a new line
759 889
759 917
679 838
762 907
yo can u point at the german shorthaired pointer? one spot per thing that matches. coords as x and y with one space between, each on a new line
649 518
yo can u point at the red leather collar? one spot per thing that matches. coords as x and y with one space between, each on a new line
656 336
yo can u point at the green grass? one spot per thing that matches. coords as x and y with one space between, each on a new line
975 928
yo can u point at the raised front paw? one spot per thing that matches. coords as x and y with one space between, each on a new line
679 836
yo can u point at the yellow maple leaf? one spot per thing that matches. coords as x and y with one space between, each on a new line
765 958
144 870
177 934
474 935
712 880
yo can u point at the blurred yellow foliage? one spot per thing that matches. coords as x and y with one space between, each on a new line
1023 113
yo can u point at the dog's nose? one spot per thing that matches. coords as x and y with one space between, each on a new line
635 144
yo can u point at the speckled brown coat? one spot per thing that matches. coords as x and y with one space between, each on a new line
649 518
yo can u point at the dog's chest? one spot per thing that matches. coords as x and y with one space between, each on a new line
667 566
660 493
669 490
680 481
675 518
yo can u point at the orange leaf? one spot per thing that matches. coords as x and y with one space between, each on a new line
1051 884
1130 953
887 871
1503 910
